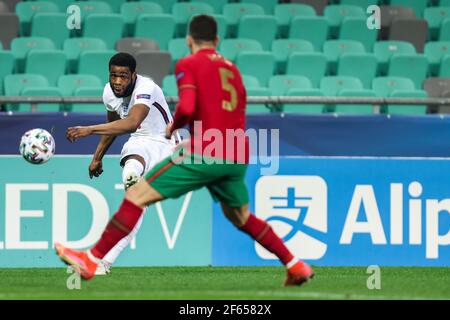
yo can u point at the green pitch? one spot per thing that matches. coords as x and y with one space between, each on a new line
216 283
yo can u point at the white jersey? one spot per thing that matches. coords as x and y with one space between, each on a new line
150 94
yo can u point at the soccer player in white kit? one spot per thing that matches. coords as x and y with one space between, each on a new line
135 105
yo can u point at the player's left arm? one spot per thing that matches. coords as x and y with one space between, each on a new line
129 124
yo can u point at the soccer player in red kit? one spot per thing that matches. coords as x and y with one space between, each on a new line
212 102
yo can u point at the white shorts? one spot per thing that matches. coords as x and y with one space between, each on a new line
152 151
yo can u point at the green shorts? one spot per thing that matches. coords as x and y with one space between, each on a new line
180 173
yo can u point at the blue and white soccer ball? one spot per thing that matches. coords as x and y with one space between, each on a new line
37 146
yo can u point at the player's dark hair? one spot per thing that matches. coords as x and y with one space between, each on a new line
203 28
123 59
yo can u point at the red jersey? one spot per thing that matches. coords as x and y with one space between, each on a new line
212 102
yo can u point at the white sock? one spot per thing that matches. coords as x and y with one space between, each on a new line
112 255
132 165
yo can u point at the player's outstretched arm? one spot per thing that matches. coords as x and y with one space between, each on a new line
128 125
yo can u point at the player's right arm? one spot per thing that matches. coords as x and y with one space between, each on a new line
96 165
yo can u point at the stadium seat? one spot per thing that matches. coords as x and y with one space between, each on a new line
356 29
178 49
26 11
95 62
364 4
108 27
258 64
62 4
130 12
184 11
230 48
250 81
52 26
222 25
337 13
417 5
234 11
74 46
312 29
414 67
258 27
359 65
93 7
354 108
435 16
444 70
384 86
217 5
268 5
40 92
444 3
385 49
7 66
4 7
21 46
285 12
304 108
282 49
389 14
153 64
438 88
410 30
279 85
169 86
145 28
116 5
49 63
331 86
258 107
15 83
444 32
318 5
435 51
165 4
134 45
70 82
406 109
334 48
88 107
311 65
11 4
9 24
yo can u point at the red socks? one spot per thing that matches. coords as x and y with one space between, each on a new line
262 232
118 227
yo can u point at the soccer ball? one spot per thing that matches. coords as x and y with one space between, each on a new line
37 146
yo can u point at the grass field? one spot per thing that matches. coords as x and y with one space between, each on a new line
217 283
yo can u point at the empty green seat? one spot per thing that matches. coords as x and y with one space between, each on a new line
108 27
234 11
354 108
444 69
74 46
26 11
52 26
15 83
183 11
258 107
93 7
230 48
435 51
359 65
417 5
384 86
96 63
444 32
21 46
337 13
49 63
285 12
88 107
311 65
406 109
40 92
61 4
312 29
70 82
385 49
250 81
165 4
331 86
7 65
258 64
169 86
217 5
356 29
116 5
130 12
279 85
435 16
304 108
145 28
178 49
360 3
268 5
222 25
414 67
282 49
334 48
260 28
